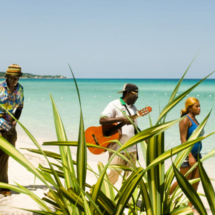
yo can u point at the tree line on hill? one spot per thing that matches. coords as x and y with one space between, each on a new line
31 76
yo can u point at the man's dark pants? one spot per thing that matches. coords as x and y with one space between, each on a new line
11 137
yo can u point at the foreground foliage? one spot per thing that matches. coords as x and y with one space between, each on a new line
150 185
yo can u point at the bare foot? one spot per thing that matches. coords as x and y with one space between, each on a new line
195 212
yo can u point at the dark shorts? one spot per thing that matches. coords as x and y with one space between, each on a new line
186 161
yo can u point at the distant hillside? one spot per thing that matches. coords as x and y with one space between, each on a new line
31 76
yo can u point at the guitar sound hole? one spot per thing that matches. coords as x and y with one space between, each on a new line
107 133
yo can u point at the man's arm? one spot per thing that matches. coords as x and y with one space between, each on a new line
18 113
108 116
111 120
17 116
20 105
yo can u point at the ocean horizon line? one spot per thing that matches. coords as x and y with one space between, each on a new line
49 79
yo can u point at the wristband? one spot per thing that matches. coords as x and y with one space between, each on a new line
4 124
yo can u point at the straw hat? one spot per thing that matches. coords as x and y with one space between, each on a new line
14 70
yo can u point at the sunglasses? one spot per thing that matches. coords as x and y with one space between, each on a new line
135 93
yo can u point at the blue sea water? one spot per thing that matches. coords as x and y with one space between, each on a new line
95 94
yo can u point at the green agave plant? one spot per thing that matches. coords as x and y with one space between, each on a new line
151 185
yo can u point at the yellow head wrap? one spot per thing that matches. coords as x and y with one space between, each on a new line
189 103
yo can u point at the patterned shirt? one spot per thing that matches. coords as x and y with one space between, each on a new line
10 100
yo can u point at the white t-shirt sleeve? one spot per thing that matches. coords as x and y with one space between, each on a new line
109 111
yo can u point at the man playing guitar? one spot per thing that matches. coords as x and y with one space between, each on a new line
112 114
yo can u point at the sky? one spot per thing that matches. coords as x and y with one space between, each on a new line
109 39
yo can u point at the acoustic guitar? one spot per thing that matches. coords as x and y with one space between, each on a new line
100 135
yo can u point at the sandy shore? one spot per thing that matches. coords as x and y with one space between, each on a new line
19 174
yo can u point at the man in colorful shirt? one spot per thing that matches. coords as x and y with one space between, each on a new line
113 114
11 99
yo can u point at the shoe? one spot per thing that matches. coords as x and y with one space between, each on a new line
6 193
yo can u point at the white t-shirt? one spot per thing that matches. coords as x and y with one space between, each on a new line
127 130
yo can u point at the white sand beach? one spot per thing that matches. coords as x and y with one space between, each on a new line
18 174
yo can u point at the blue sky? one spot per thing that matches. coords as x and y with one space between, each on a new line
108 39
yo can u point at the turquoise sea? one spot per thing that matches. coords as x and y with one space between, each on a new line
95 94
